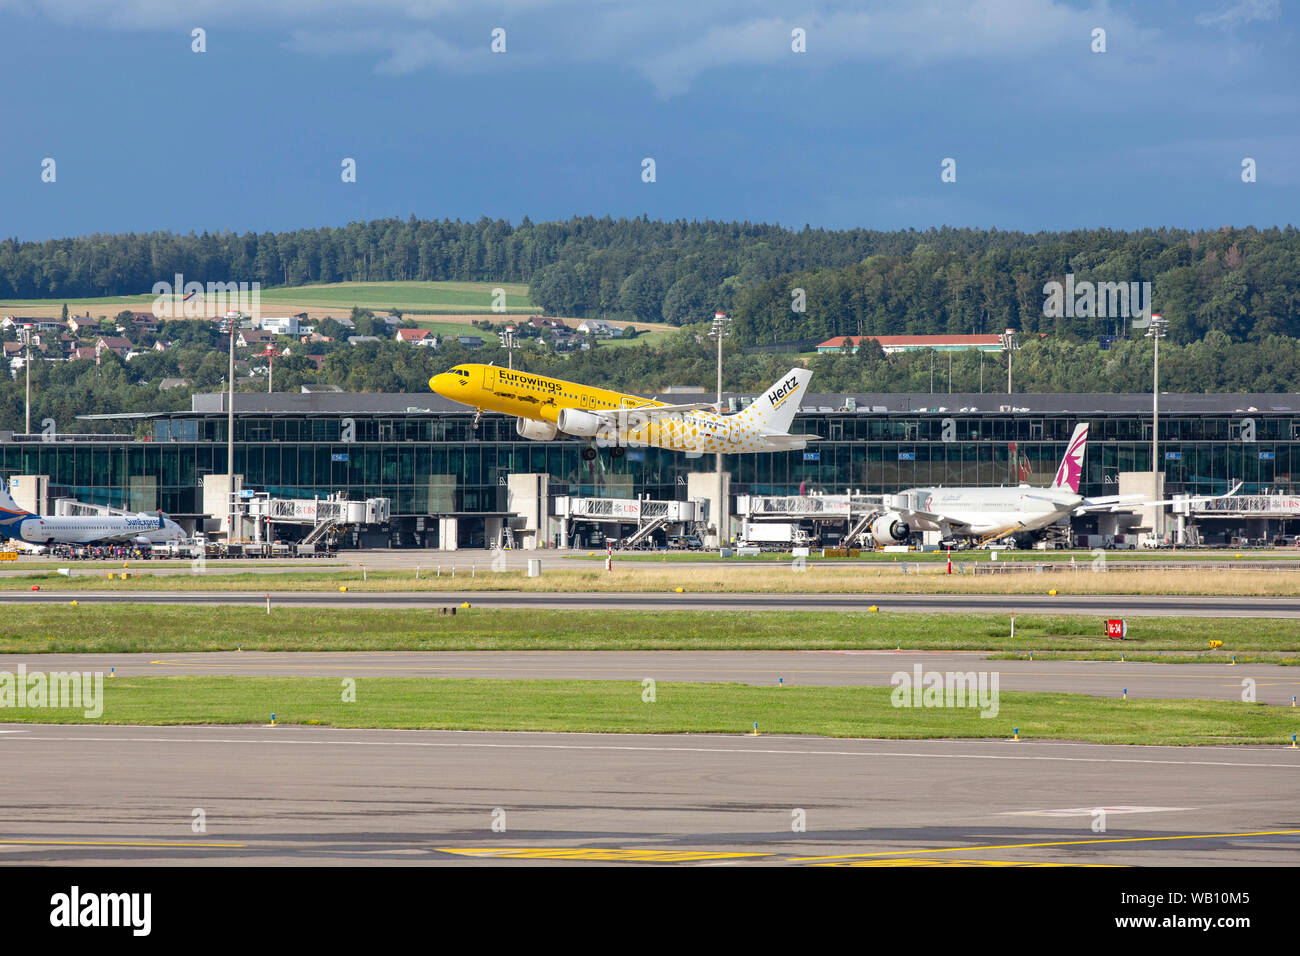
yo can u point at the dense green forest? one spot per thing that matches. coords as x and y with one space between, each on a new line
1243 282
1232 297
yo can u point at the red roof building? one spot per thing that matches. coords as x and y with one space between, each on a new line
911 343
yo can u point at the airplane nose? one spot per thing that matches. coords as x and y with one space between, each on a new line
436 381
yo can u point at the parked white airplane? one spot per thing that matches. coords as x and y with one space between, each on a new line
20 524
990 513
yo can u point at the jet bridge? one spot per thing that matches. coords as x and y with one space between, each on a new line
1243 519
322 515
613 514
851 515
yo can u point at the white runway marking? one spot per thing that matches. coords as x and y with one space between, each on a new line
1089 811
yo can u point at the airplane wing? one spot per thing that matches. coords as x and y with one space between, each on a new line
790 441
1113 502
646 413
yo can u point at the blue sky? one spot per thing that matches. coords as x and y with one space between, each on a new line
250 134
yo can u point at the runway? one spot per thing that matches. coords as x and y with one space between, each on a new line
1272 684
299 795
1103 605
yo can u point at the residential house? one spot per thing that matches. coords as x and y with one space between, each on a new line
359 339
248 338
470 341
286 325
419 337
144 321
600 327
912 343
112 343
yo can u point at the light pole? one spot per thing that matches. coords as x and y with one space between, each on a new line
1008 342
1158 329
270 353
721 326
27 368
232 323
509 344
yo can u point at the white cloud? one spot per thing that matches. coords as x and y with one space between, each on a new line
1244 11
403 52
669 42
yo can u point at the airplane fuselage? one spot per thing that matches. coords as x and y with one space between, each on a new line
608 417
91 530
989 510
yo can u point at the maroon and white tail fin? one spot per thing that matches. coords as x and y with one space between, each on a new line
1071 468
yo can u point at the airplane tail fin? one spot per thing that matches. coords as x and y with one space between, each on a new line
8 504
8 507
775 408
1071 468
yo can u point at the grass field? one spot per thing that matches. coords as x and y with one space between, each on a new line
619 707
89 628
456 303
817 579
964 557
335 298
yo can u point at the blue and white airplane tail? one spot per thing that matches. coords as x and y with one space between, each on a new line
8 507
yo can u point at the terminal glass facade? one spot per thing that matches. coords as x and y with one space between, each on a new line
432 464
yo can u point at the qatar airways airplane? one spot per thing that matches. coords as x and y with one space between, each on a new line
990 513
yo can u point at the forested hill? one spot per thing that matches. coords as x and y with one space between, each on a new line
1244 282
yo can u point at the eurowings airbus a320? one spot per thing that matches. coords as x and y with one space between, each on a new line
547 407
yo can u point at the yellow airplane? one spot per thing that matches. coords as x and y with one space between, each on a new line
546 407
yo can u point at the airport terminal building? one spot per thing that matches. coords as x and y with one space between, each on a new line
448 485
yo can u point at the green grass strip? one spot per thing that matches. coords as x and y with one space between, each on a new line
619 707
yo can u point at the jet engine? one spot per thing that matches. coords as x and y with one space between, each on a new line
890 528
573 421
537 431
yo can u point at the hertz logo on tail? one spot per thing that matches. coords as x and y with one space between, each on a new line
778 395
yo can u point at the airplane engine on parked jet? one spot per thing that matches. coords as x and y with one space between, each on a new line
573 421
890 528
537 431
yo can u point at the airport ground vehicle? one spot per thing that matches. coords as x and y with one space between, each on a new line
773 535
